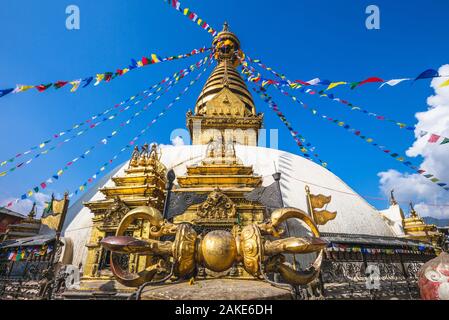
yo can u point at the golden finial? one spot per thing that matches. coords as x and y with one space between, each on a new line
413 213
307 189
225 26
32 213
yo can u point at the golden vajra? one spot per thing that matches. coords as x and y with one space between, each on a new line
258 247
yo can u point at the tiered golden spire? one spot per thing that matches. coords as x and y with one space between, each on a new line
225 107
226 45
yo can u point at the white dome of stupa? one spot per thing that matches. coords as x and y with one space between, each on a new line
354 214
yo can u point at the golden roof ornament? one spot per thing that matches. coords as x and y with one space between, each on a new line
413 213
315 202
32 213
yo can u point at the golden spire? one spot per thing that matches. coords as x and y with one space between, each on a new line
226 47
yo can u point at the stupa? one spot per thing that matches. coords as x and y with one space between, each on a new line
187 212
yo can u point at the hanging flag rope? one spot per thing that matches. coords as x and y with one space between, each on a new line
369 140
168 81
257 77
56 176
101 77
358 133
306 147
427 74
192 16
299 139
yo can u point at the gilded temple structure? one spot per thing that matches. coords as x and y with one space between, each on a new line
142 184
236 219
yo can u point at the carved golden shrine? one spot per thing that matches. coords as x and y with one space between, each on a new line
142 184
416 228
225 179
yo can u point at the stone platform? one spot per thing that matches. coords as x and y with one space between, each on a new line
217 289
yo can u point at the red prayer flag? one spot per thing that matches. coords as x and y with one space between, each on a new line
60 84
370 80
43 87
302 82
433 138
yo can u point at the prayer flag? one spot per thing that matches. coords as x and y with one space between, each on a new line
155 58
393 82
370 80
433 138
22 88
88 81
59 84
43 87
75 85
444 84
99 78
335 84
4 92
430 73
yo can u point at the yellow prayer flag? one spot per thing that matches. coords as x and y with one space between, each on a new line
335 84
23 88
445 84
99 78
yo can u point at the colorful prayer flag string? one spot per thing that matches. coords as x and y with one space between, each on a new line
427 74
168 81
101 77
55 177
369 140
358 133
257 77
305 147
175 4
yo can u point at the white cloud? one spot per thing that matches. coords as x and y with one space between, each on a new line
177 141
413 187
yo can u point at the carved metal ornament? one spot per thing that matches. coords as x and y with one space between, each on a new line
115 213
218 250
217 206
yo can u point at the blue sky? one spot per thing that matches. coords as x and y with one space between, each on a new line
303 39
